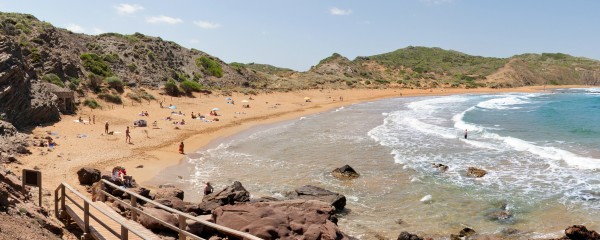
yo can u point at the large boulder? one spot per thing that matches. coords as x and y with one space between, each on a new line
476 172
345 173
580 232
179 205
152 224
289 219
236 193
169 192
309 192
88 176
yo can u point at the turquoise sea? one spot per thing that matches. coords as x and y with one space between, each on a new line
541 151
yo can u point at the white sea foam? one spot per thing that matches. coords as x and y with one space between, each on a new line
431 129
552 153
459 123
435 103
504 102
339 109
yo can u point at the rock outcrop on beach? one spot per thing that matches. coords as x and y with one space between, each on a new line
309 192
290 219
345 173
168 192
88 176
236 193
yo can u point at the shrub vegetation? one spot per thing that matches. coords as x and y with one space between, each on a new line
210 66
54 79
92 103
95 64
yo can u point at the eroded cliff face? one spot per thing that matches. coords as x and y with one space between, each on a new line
23 102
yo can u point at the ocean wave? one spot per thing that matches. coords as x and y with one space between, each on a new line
459 123
552 153
504 102
436 103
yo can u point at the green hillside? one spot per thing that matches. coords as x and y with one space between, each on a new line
437 60
265 68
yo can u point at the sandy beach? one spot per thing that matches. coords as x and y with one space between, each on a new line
153 149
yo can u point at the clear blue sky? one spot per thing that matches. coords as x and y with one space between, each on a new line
297 34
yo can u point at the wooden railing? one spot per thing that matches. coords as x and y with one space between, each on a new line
62 212
181 216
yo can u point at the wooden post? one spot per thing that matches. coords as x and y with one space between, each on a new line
62 200
182 226
124 233
133 208
86 218
56 204
102 197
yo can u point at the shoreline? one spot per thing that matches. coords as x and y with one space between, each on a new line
158 151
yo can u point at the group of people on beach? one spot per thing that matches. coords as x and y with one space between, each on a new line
91 119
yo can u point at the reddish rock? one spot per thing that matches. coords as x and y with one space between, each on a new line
290 219
580 232
345 173
236 193
309 192
163 215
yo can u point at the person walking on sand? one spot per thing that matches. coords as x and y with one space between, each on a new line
465 133
181 148
127 136
208 189
94 119
106 127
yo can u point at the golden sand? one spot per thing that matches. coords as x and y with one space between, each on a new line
156 148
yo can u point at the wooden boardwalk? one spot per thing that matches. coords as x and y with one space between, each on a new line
97 231
99 221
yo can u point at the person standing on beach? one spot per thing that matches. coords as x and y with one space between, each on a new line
127 136
181 148
465 133
106 127
208 189
94 119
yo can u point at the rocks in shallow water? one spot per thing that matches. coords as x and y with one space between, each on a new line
467 232
345 173
500 213
316 193
580 232
509 231
440 167
476 172
408 236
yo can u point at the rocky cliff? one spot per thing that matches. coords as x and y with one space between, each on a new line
22 102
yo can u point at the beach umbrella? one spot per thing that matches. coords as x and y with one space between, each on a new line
244 101
216 109
228 98
306 98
